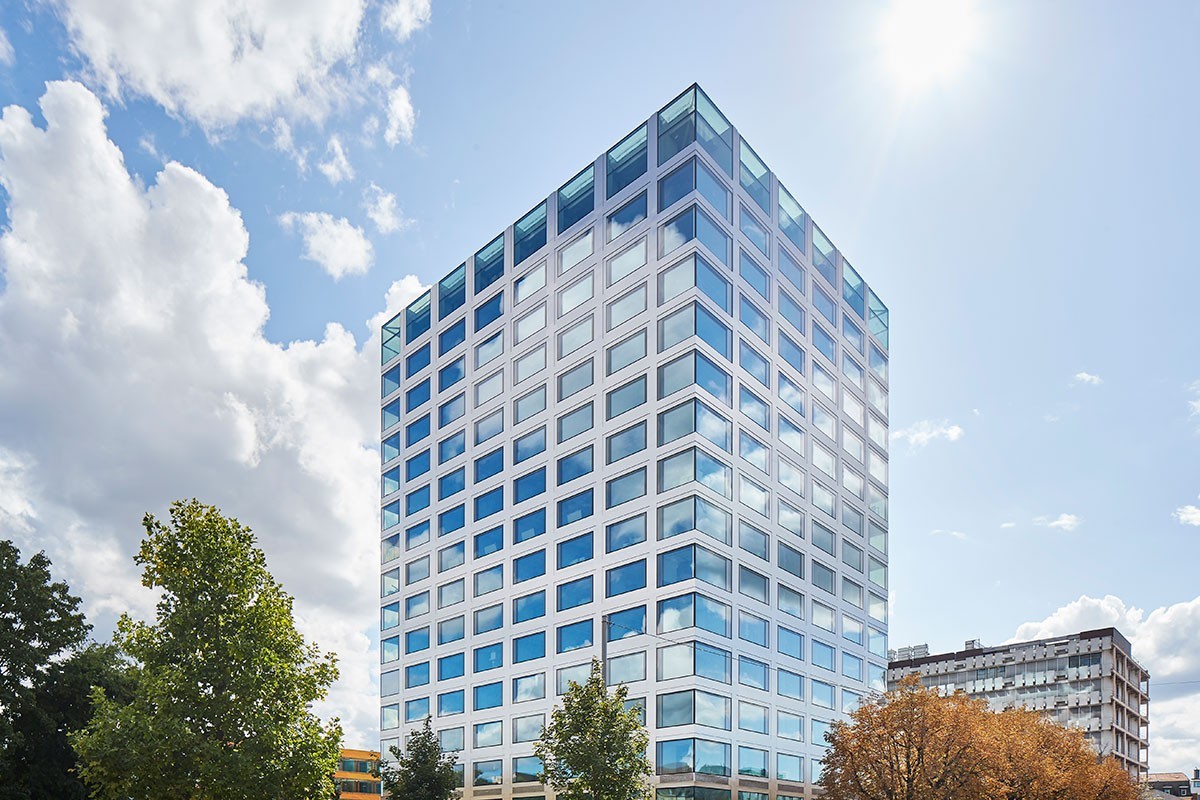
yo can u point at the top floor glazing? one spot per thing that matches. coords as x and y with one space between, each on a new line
691 119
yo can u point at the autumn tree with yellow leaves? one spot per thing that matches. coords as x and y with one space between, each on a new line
914 744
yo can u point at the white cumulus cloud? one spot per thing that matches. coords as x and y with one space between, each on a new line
1188 515
401 118
922 433
1166 641
1063 522
336 166
1088 379
383 210
338 246
136 371
219 62
405 17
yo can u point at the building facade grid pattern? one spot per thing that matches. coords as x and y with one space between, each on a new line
649 418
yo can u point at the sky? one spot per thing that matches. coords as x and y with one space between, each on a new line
208 210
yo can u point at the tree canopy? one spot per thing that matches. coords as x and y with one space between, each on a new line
914 744
224 680
594 747
422 771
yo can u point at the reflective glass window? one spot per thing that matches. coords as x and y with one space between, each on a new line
529 234
489 264
626 161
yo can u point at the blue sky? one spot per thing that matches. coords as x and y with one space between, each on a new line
1026 216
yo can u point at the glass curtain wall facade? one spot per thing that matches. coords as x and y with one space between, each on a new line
647 420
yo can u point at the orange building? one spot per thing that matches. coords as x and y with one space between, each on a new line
354 774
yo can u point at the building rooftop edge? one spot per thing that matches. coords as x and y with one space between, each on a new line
1098 633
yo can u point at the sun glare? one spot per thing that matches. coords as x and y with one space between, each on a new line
927 41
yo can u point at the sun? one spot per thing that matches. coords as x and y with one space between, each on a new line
927 41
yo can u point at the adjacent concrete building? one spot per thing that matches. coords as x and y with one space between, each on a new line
1089 680
648 420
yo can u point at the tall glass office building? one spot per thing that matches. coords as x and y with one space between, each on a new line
646 420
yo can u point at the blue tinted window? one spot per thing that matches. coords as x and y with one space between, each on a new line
792 219
489 426
451 630
626 397
626 161
489 264
824 256
576 198
754 275
627 442
452 337
625 533
694 320
390 481
529 485
791 644
529 445
451 410
627 216
489 312
677 184
630 622
416 675
824 343
575 636
450 703
414 641
488 465
489 542
450 521
528 648
417 361
825 304
416 318
792 353
854 290
529 234
823 655
390 448
575 465
452 291
489 503
531 606
416 536
390 381
452 483
451 374
575 551
625 578
390 339
489 695
389 415
416 431
754 177
791 270
754 231
575 508
754 319
417 500
489 657
694 224
529 566
416 466
451 667
754 363
417 395
791 312
854 335
391 514
452 446
575 593
529 526
574 423
694 368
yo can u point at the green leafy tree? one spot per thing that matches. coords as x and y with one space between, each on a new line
38 762
422 772
594 747
221 709
44 679
39 622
